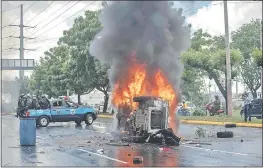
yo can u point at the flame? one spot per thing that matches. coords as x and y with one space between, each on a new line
137 82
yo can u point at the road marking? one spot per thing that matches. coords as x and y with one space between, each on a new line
96 126
215 150
103 156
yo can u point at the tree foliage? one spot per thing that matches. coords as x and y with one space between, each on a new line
247 40
207 54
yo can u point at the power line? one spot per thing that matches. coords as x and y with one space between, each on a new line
65 19
40 12
30 7
42 21
35 41
54 18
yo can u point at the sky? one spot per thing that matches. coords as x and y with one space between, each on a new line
58 16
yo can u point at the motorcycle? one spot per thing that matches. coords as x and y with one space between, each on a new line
209 108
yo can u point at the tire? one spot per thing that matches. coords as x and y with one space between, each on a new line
226 134
89 119
230 125
78 122
43 121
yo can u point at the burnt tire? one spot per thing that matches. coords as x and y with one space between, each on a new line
230 125
225 134
89 119
43 121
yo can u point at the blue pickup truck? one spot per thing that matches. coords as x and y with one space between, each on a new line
62 111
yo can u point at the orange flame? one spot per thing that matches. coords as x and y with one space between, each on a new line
137 82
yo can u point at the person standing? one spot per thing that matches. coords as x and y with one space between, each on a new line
246 107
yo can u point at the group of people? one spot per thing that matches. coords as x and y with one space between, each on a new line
26 102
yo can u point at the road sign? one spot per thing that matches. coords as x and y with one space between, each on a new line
18 64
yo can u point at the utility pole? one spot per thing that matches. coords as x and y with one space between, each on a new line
21 37
228 65
261 65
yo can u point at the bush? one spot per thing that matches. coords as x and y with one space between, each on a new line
199 112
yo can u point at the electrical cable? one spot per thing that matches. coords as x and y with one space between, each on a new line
66 19
54 18
40 12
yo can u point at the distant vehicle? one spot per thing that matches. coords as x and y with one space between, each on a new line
255 109
209 109
188 111
62 111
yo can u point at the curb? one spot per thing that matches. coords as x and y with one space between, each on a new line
220 123
206 122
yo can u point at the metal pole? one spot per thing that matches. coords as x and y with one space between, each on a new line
228 65
261 65
21 72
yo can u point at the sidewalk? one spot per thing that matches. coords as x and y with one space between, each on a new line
252 125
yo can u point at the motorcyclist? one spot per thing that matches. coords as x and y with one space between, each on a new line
216 104
184 105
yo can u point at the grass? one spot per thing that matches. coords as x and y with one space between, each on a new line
235 118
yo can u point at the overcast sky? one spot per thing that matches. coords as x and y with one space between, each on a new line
201 14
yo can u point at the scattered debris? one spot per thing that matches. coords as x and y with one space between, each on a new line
241 140
100 150
203 143
42 152
88 141
80 146
198 145
137 160
200 132
118 144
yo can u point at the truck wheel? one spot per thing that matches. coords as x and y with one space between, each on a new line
89 119
225 134
43 121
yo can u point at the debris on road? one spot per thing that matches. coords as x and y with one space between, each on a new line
198 145
118 144
203 143
241 140
200 132
100 151
137 160
230 125
88 141
165 149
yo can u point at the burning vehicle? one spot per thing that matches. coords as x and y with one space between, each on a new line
150 122
143 44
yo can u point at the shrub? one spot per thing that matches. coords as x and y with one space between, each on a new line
199 112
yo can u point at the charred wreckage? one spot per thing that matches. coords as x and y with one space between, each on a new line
149 122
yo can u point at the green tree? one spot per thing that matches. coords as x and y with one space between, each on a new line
85 71
247 40
208 55
51 75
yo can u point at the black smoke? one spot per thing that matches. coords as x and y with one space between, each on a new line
156 32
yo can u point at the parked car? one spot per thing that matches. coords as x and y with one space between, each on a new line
255 109
62 111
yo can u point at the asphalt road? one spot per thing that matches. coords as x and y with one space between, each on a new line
64 144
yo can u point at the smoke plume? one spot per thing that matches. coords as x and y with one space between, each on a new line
153 30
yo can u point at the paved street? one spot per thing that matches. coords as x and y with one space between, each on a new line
64 144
